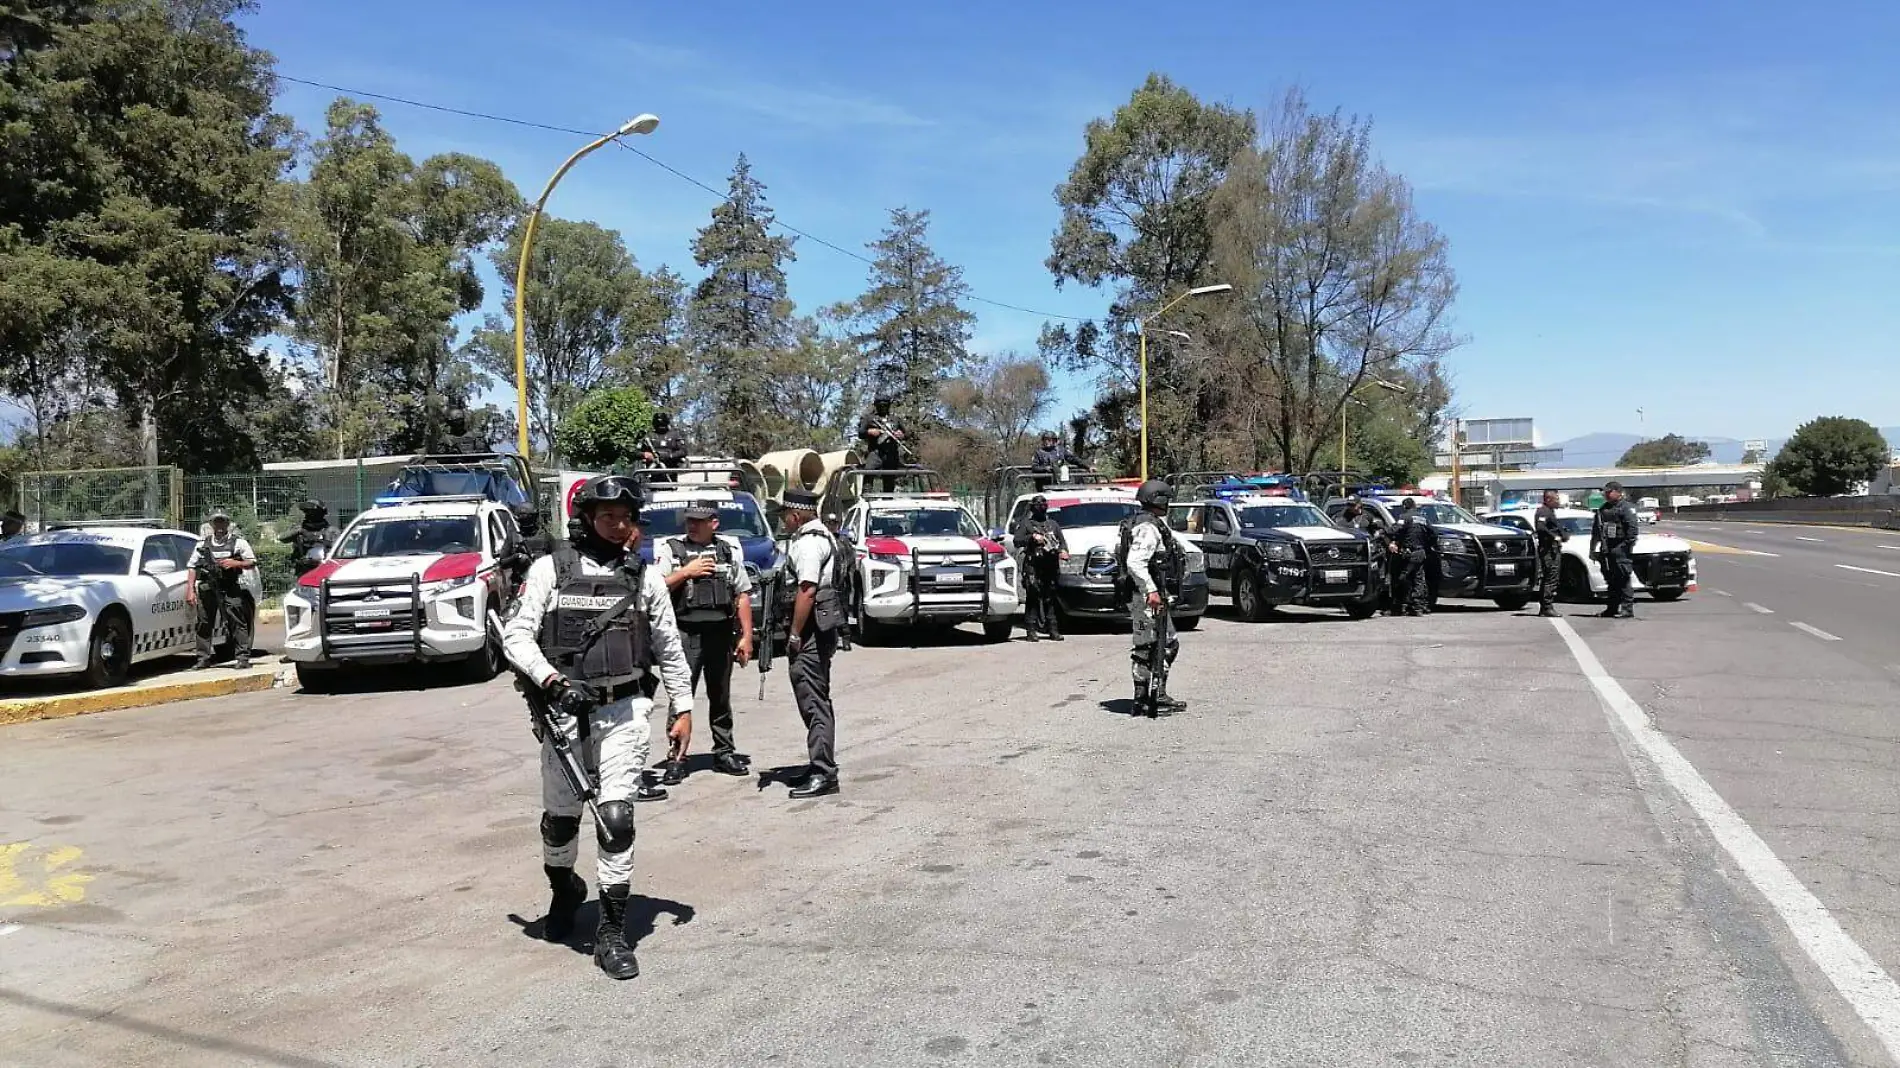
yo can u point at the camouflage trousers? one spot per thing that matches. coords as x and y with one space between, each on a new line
1149 627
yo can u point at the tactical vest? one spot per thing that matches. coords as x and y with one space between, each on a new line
709 599
573 634
209 555
1167 569
827 609
1414 534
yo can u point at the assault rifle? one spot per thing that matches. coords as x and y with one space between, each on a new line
903 445
765 639
541 712
1158 654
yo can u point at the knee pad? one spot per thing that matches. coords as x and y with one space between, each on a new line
615 832
557 831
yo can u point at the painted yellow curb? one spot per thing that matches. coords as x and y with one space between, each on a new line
60 706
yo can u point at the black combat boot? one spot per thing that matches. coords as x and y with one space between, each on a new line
611 951
675 773
1547 612
570 893
1052 622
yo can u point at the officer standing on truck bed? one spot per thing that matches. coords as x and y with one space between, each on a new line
712 600
593 633
664 446
1612 538
1412 545
885 442
1551 536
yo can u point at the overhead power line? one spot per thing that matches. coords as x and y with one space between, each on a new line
650 158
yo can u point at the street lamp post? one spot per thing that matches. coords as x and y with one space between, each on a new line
639 124
1141 329
1381 384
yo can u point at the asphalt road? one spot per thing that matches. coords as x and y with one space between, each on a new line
1434 841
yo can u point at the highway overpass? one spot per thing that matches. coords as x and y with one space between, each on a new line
1639 481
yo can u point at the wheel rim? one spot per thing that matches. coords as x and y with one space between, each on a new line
1245 594
112 649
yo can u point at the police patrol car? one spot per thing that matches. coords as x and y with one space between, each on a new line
1091 518
1663 563
1472 559
94 600
925 559
1266 551
419 580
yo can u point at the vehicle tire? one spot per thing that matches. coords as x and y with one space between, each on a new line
315 679
1362 609
109 654
1573 582
997 630
1248 601
1667 595
1188 623
1513 603
484 664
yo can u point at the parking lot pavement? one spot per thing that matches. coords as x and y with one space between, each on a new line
1390 842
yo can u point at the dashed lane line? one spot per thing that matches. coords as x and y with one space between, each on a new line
1867 570
1722 593
1895 548
1872 993
1753 607
1815 631
1799 537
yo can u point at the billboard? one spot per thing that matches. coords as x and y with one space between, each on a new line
1482 433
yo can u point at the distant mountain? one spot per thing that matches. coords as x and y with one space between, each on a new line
1604 449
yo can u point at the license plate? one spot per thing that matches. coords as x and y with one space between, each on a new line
1505 569
375 624
372 613
950 580
1336 577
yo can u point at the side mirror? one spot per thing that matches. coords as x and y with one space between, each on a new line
159 567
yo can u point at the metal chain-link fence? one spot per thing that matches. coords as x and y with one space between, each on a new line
114 493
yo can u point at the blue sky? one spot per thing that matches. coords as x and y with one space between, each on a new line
1692 208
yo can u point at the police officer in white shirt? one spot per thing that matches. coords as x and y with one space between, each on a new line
817 617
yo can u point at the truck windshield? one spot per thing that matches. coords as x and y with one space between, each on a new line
1094 513
1283 515
410 537
1440 514
739 517
925 522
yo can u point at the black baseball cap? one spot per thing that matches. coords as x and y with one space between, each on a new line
702 510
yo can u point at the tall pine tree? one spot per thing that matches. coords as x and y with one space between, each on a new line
910 324
740 318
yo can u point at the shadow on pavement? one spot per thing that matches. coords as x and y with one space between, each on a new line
110 1018
783 775
643 916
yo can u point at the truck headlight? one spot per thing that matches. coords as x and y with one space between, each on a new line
435 589
1074 565
47 617
1197 563
1453 543
1276 550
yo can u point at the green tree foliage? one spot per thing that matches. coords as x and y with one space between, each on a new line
1670 450
1000 402
591 315
1826 457
139 194
1339 283
820 382
740 318
386 251
1381 441
909 323
1135 219
603 431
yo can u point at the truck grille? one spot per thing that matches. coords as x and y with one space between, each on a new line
1332 553
368 616
1662 569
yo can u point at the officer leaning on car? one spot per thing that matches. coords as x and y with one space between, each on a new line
591 629
1551 536
1612 538
218 563
1378 543
712 600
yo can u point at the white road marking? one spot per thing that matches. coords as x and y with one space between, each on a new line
1816 631
1798 537
1896 548
8 928
1722 593
1873 994
1753 607
1867 570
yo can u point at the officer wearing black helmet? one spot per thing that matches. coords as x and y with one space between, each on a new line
1154 562
1612 539
534 542
664 447
594 630
885 440
1052 456
313 539
1038 540
1412 540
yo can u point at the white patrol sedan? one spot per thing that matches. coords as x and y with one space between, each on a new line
94 601
1663 563
926 560
418 581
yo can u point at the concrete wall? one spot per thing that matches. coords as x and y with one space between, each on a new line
1878 511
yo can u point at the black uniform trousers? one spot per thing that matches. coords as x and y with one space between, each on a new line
1616 572
709 649
1550 565
811 687
1415 595
215 599
1039 596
